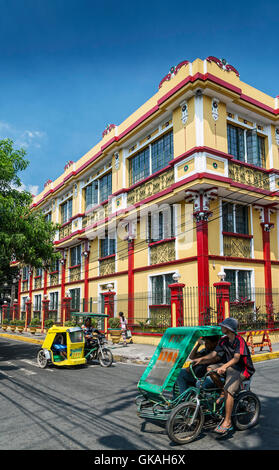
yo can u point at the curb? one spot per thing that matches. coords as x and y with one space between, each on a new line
119 358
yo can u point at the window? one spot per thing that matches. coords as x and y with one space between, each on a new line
91 194
105 185
139 166
37 303
151 159
75 299
240 284
107 247
75 255
38 272
235 218
48 217
25 273
53 304
246 145
162 152
66 211
159 289
54 266
161 224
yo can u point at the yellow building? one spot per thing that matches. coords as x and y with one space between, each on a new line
188 185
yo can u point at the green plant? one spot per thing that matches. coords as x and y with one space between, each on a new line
70 323
20 322
49 323
13 322
35 322
114 322
5 321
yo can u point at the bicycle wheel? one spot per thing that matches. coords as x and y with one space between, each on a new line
105 357
41 359
180 429
247 408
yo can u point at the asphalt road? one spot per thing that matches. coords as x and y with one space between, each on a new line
92 407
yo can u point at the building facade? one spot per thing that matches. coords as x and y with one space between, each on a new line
188 185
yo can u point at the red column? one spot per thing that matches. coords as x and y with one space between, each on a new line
177 310
45 282
222 300
15 310
86 273
27 313
4 311
19 290
45 303
203 267
131 282
266 227
63 275
109 307
66 309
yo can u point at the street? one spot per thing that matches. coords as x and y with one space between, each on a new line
92 407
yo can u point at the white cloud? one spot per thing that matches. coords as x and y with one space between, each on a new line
22 138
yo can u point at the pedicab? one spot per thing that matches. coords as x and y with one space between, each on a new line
188 413
66 346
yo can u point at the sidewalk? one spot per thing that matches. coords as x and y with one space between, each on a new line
134 353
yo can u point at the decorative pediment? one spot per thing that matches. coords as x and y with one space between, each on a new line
223 64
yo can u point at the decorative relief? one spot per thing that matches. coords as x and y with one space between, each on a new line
184 112
108 129
37 283
223 64
214 109
75 274
65 231
277 135
54 279
173 71
48 182
107 266
151 187
68 164
251 177
162 252
239 247
96 215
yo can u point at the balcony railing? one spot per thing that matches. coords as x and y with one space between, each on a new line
75 272
152 186
248 176
65 231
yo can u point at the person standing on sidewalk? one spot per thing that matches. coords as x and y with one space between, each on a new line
123 324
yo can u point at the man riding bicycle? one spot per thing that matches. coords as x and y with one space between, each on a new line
231 358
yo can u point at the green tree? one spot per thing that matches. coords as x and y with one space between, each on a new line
25 236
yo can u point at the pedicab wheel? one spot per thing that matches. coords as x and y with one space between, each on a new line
246 412
41 359
106 358
179 426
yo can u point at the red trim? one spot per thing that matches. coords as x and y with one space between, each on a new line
106 257
165 240
131 280
237 235
75 266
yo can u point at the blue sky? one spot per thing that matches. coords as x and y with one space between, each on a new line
70 67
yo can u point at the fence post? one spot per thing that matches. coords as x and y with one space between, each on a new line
109 307
27 313
66 309
222 300
45 302
177 310
15 310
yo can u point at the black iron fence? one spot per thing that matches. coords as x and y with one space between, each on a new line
149 314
